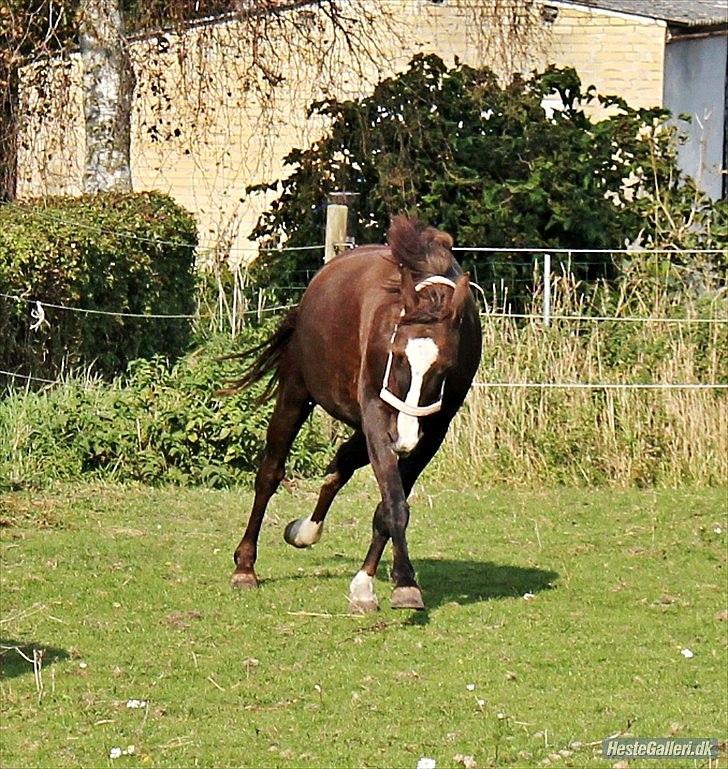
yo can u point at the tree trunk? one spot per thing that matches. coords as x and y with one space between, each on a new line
108 85
8 132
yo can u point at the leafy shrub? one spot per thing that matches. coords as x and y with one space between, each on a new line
160 423
131 253
489 164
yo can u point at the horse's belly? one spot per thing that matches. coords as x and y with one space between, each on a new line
348 413
331 383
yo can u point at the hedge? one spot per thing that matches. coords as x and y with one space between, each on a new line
123 253
156 424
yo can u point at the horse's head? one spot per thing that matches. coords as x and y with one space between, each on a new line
423 350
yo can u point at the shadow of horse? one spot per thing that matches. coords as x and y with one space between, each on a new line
446 581
16 657
443 580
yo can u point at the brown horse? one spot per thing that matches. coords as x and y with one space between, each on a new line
387 340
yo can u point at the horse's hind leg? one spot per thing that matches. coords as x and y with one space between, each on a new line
292 407
350 456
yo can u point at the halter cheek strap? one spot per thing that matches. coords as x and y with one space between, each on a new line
385 393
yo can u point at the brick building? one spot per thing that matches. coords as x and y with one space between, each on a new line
204 140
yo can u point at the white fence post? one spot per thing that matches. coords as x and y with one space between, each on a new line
547 289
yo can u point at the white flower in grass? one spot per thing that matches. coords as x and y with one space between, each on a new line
426 763
118 752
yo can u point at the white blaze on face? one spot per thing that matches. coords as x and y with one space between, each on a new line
421 354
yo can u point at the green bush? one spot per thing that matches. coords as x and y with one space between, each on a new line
131 253
487 162
158 424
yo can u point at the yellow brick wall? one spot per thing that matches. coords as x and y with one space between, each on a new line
619 54
217 138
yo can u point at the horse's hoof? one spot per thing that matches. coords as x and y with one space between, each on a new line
407 598
363 606
242 580
303 532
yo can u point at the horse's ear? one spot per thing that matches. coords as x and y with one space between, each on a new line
438 238
460 296
407 290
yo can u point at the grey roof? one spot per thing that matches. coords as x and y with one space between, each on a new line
689 13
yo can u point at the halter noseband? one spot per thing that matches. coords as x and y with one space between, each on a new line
385 393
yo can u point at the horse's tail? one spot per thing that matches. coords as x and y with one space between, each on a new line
420 248
266 361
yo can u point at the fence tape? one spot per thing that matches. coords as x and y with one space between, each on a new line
37 312
632 251
515 315
51 216
28 376
604 385
625 318
517 385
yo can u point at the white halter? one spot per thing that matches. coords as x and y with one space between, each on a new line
385 393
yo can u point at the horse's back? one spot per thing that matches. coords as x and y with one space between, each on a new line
347 299
343 288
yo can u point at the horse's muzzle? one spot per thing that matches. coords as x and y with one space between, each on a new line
407 439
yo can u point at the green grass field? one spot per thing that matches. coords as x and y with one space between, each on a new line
126 591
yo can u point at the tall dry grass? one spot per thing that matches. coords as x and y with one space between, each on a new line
503 435
600 436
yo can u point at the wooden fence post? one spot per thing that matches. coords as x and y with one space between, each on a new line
336 216
340 222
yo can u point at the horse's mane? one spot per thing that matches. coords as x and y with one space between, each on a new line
420 248
424 251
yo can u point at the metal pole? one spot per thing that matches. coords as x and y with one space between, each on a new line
547 289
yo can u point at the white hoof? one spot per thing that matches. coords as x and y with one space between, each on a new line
303 532
362 599
363 607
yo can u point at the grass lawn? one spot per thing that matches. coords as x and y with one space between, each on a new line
554 619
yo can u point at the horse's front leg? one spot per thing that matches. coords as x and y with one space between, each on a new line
390 520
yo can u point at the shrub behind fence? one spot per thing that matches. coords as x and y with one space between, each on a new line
110 254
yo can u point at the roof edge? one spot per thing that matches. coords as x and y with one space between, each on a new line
584 7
